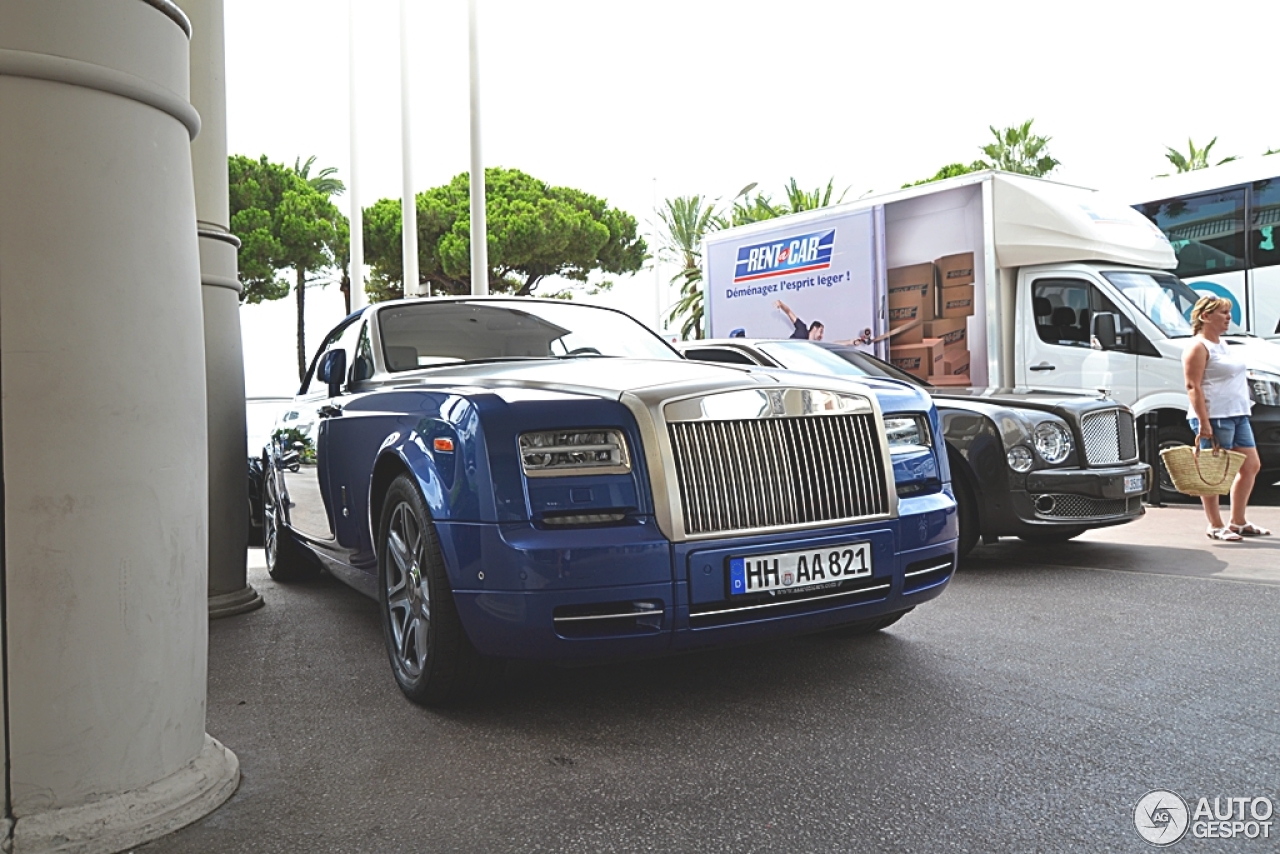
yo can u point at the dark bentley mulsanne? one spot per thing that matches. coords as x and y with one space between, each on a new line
1043 466
520 478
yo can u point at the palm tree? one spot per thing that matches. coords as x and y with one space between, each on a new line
323 182
1195 158
799 200
687 219
1016 149
329 186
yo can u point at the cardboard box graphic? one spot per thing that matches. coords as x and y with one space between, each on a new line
912 287
961 380
908 322
919 360
953 363
955 270
954 332
956 302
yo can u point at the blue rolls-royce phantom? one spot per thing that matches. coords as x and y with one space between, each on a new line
521 478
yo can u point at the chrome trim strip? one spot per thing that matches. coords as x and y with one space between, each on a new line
805 599
928 569
619 616
74 72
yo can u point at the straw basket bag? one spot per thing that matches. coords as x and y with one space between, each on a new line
1196 473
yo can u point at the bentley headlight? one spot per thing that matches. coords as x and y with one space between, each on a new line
906 432
555 453
1052 442
1264 388
1019 458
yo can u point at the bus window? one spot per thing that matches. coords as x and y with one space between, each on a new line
1207 231
1264 254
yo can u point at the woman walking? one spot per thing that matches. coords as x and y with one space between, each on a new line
1219 390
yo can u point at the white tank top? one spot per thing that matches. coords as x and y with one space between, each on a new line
1225 383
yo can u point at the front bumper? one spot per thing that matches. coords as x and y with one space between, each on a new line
622 592
1074 498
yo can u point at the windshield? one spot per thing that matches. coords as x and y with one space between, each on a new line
426 333
1166 299
813 358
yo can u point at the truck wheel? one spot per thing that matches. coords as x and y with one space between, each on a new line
286 560
433 661
1169 437
869 626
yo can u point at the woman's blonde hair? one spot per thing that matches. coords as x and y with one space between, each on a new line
1206 305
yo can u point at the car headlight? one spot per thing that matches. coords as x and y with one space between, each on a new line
556 453
906 432
1052 442
1019 458
1264 387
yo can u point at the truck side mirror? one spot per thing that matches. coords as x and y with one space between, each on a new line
333 367
1103 334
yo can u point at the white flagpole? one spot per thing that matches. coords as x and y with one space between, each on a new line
479 225
408 205
356 217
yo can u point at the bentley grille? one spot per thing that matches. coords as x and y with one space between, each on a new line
1109 437
767 472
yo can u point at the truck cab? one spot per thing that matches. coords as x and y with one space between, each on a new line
1123 330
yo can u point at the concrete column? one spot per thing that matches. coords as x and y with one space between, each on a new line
105 513
229 590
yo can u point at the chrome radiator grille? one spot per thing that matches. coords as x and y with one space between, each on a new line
766 472
1109 437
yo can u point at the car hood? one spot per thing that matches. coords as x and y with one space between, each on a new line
1042 400
604 377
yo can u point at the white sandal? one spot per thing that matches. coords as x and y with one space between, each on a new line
1224 534
1248 529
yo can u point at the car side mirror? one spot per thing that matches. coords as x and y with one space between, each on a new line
333 367
1103 334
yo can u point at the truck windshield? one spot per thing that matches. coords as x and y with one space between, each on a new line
1164 298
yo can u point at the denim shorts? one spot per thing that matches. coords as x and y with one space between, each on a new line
1230 432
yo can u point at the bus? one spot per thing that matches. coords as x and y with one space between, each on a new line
1224 224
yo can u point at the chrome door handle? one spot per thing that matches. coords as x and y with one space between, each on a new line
1043 367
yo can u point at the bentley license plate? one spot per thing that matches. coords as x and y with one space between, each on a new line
793 571
1132 483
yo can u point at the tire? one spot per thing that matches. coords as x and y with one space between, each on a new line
967 510
1048 537
286 560
431 658
867 627
1168 437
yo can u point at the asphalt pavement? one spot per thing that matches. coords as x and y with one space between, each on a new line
1029 708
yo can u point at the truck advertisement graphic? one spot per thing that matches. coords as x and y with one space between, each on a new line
788 279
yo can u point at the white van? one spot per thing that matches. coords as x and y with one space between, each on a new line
1065 289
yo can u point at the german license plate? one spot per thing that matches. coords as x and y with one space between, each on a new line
1132 483
793 571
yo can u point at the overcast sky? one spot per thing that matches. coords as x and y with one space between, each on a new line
639 101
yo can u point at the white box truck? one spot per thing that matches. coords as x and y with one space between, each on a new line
1069 290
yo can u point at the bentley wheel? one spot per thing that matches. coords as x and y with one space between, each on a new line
432 659
286 560
869 626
